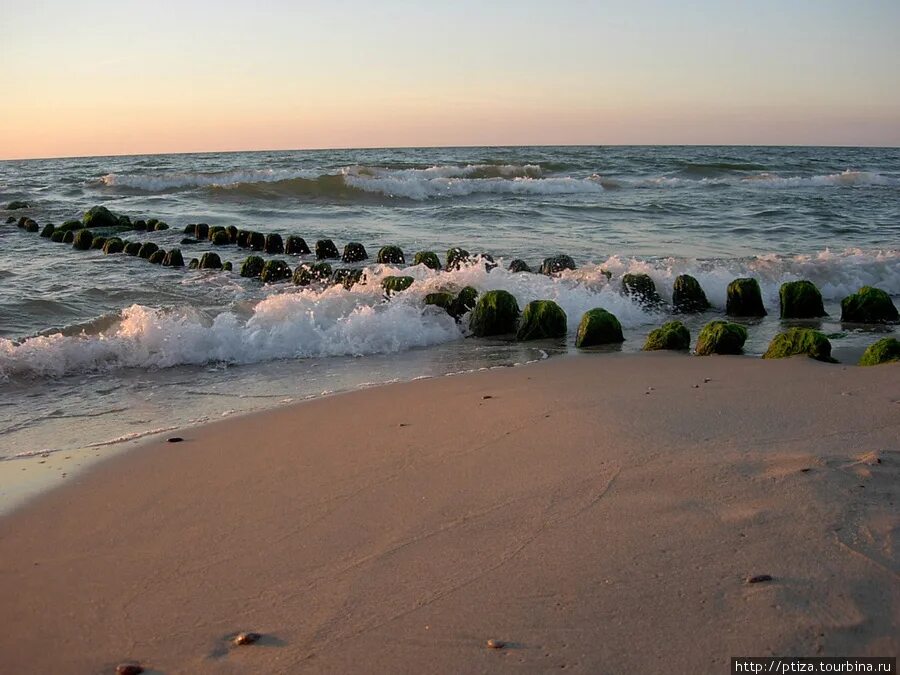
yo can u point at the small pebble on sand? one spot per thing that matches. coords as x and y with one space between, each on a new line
486 397
759 578
496 644
246 638
174 439
129 669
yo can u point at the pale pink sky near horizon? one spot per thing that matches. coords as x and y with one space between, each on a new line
103 77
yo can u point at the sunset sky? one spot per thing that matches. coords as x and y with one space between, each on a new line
99 77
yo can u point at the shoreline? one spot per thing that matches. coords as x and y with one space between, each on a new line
597 513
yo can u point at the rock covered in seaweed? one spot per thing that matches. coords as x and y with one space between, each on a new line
48 230
347 277
132 247
201 231
157 257
598 327
393 285
82 240
456 258
868 305
308 273
541 320
556 264
99 216
173 259
194 264
797 341
886 350
219 238
274 271
113 245
227 266
326 250
69 237
147 249
71 226
671 335
98 243
252 267
210 261
641 287
274 244
429 259
295 245
801 300
517 266
58 236
256 241
688 296
354 252
744 298
391 255
721 337
31 225
495 313
16 205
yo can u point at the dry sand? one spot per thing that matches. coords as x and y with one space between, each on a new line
591 522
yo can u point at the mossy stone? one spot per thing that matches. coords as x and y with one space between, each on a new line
132 248
393 285
354 252
391 255
113 245
308 273
194 264
147 249
744 298
688 296
721 337
517 266
801 300
429 259
219 238
252 267
157 257
274 244
48 230
598 327
16 205
125 222
201 231
295 245
10 220
495 313
243 239
99 216
227 266
140 225
456 258
232 233
886 350
21 222
210 261
671 335
190 229
173 259
274 271
441 299
159 227
642 288
541 320
214 230
326 250
465 301
58 236
151 224
98 243
868 305
69 237
31 225
257 241
347 277
796 341
556 264
82 240
71 226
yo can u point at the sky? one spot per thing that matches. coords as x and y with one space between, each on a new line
100 77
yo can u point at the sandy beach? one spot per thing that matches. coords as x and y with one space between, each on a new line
598 513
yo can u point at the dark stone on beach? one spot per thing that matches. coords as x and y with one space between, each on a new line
354 252
295 245
58 236
140 225
797 341
157 257
243 239
391 255
759 578
429 259
147 249
82 240
721 337
868 305
132 248
159 227
671 335
598 327
98 243
886 350
252 267
688 296
16 205
496 313
541 320
201 231
48 230
465 301
801 300
519 266
232 233
227 266
744 298
194 264
274 271
31 225
393 285
495 644
347 277
174 439
274 244
99 216
69 237
210 261
190 229
641 288
556 264
256 241
456 258
216 229
307 273
242 639
173 259
71 225
325 249
219 238
129 669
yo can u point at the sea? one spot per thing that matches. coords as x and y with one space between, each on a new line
99 350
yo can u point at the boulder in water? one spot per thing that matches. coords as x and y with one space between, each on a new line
98 243
801 300
598 327
519 266
219 237
157 257
147 249
868 305
721 337
393 285
391 255
354 252
295 245
744 298
16 205
71 226
82 240
441 299
326 250
113 245
48 230
99 216
556 264
132 247
243 238
495 313
227 266
797 341
140 225
31 225
189 229
347 277
688 296
125 223
232 233
541 320
641 287
671 335
274 244
173 259
160 226
886 350
429 259
58 236
194 264
69 237
456 258
10 220
257 241
210 261
274 271
201 231
308 273
252 267
151 225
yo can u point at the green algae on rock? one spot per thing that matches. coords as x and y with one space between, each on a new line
307 273
801 300
671 335
391 255
325 249
868 305
886 350
294 245
99 216
147 249
82 240
641 287
542 319
495 313
556 264
354 252
429 259
744 298
210 261
797 341
396 284
598 327
173 258
721 337
274 271
688 296
252 267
